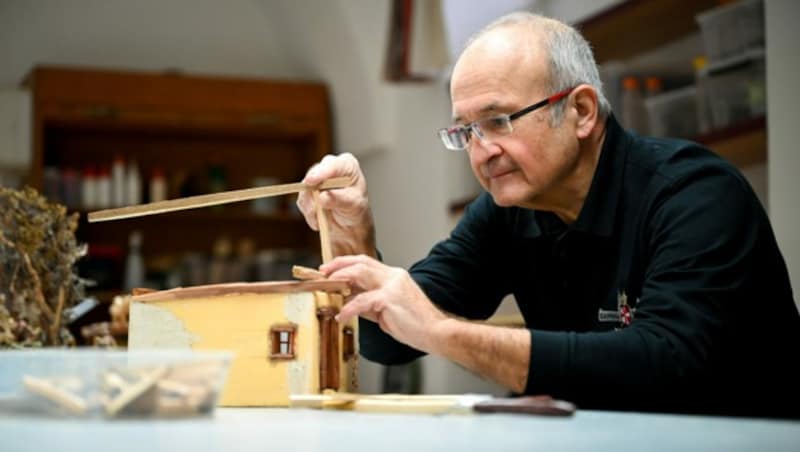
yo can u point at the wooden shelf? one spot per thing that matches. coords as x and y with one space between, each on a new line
634 27
203 133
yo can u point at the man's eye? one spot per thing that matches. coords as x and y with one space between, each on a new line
494 124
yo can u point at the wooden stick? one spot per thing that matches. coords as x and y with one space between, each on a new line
389 403
55 325
135 390
194 202
71 402
306 274
324 237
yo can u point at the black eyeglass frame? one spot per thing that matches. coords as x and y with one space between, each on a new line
517 114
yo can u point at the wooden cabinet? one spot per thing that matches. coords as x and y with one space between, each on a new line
185 126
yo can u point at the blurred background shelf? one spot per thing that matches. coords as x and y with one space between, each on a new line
187 231
199 135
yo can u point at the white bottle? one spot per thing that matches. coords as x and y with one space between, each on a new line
89 188
118 182
158 186
634 115
103 189
134 265
133 185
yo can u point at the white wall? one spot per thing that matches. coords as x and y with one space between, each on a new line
783 135
234 37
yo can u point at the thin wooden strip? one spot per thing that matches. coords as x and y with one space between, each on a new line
213 199
324 237
131 393
214 290
390 403
71 402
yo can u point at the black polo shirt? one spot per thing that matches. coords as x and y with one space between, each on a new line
668 293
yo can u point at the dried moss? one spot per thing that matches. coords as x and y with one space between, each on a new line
38 281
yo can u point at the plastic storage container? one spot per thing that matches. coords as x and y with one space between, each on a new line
93 383
633 115
735 91
673 113
732 29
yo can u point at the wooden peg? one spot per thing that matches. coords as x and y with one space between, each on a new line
306 274
324 238
45 388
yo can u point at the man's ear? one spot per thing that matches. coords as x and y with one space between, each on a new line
584 101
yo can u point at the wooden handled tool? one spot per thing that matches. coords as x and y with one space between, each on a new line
433 404
194 202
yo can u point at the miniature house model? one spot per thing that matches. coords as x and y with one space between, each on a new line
283 335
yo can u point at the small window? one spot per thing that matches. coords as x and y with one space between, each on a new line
282 341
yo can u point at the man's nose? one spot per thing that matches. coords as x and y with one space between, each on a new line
484 148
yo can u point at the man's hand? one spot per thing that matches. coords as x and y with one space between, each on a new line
351 228
388 296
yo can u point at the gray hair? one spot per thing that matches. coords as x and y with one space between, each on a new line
571 60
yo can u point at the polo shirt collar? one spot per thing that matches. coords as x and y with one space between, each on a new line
600 207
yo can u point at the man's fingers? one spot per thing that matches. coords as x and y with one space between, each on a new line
365 304
324 170
344 261
305 203
361 271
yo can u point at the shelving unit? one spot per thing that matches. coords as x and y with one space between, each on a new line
636 27
183 125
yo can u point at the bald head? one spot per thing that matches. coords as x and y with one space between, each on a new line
542 55
506 52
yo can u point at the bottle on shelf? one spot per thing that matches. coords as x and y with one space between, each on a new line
653 86
133 185
71 188
221 254
51 184
103 188
700 63
158 185
134 264
633 114
89 188
118 197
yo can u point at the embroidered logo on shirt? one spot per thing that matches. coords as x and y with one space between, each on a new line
624 313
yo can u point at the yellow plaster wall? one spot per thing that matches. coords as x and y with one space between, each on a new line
241 323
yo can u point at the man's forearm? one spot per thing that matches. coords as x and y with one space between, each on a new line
499 353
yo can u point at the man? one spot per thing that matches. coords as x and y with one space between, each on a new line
646 269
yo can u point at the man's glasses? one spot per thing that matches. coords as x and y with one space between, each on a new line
457 138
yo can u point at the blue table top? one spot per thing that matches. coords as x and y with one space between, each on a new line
262 429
